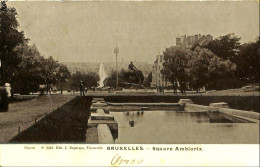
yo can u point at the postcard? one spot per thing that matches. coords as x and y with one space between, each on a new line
129 83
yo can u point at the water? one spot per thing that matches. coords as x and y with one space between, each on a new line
102 75
169 127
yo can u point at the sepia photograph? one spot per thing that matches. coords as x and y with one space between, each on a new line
111 73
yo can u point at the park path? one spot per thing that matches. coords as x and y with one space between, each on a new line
24 114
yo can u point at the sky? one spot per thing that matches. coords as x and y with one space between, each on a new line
89 31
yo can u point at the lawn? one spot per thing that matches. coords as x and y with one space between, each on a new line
66 124
23 114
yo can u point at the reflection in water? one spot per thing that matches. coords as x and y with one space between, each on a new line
131 116
131 123
218 118
172 127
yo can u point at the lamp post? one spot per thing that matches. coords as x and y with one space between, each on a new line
116 51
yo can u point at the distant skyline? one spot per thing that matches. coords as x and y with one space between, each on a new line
89 31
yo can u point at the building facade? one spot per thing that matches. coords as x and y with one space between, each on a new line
157 78
189 41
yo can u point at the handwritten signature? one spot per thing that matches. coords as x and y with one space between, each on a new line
118 160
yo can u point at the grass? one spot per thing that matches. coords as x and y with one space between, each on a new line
66 124
24 113
232 92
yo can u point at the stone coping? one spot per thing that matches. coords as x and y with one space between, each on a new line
223 108
96 116
104 134
143 104
100 111
98 99
219 105
93 101
249 114
196 106
94 123
99 104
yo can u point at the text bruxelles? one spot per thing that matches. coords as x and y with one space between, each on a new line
125 148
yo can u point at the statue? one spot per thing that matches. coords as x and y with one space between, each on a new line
134 73
131 66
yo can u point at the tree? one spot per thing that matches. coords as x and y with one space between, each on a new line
248 62
10 38
30 68
50 69
219 74
205 68
176 64
89 79
63 75
169 72
110 81
148 80
226 47
198 67
75 80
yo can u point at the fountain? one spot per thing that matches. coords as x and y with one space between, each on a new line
102 75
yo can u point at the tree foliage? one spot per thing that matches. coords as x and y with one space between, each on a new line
110 81
248 61
30 71
148 80
21 64
89 80
200 60
220 64
225 47
10 38
205 67
63 75
195 69
176 62
50 69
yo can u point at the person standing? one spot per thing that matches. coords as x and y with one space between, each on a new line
8 89
82 89
5 94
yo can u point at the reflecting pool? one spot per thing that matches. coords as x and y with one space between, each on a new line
170 127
